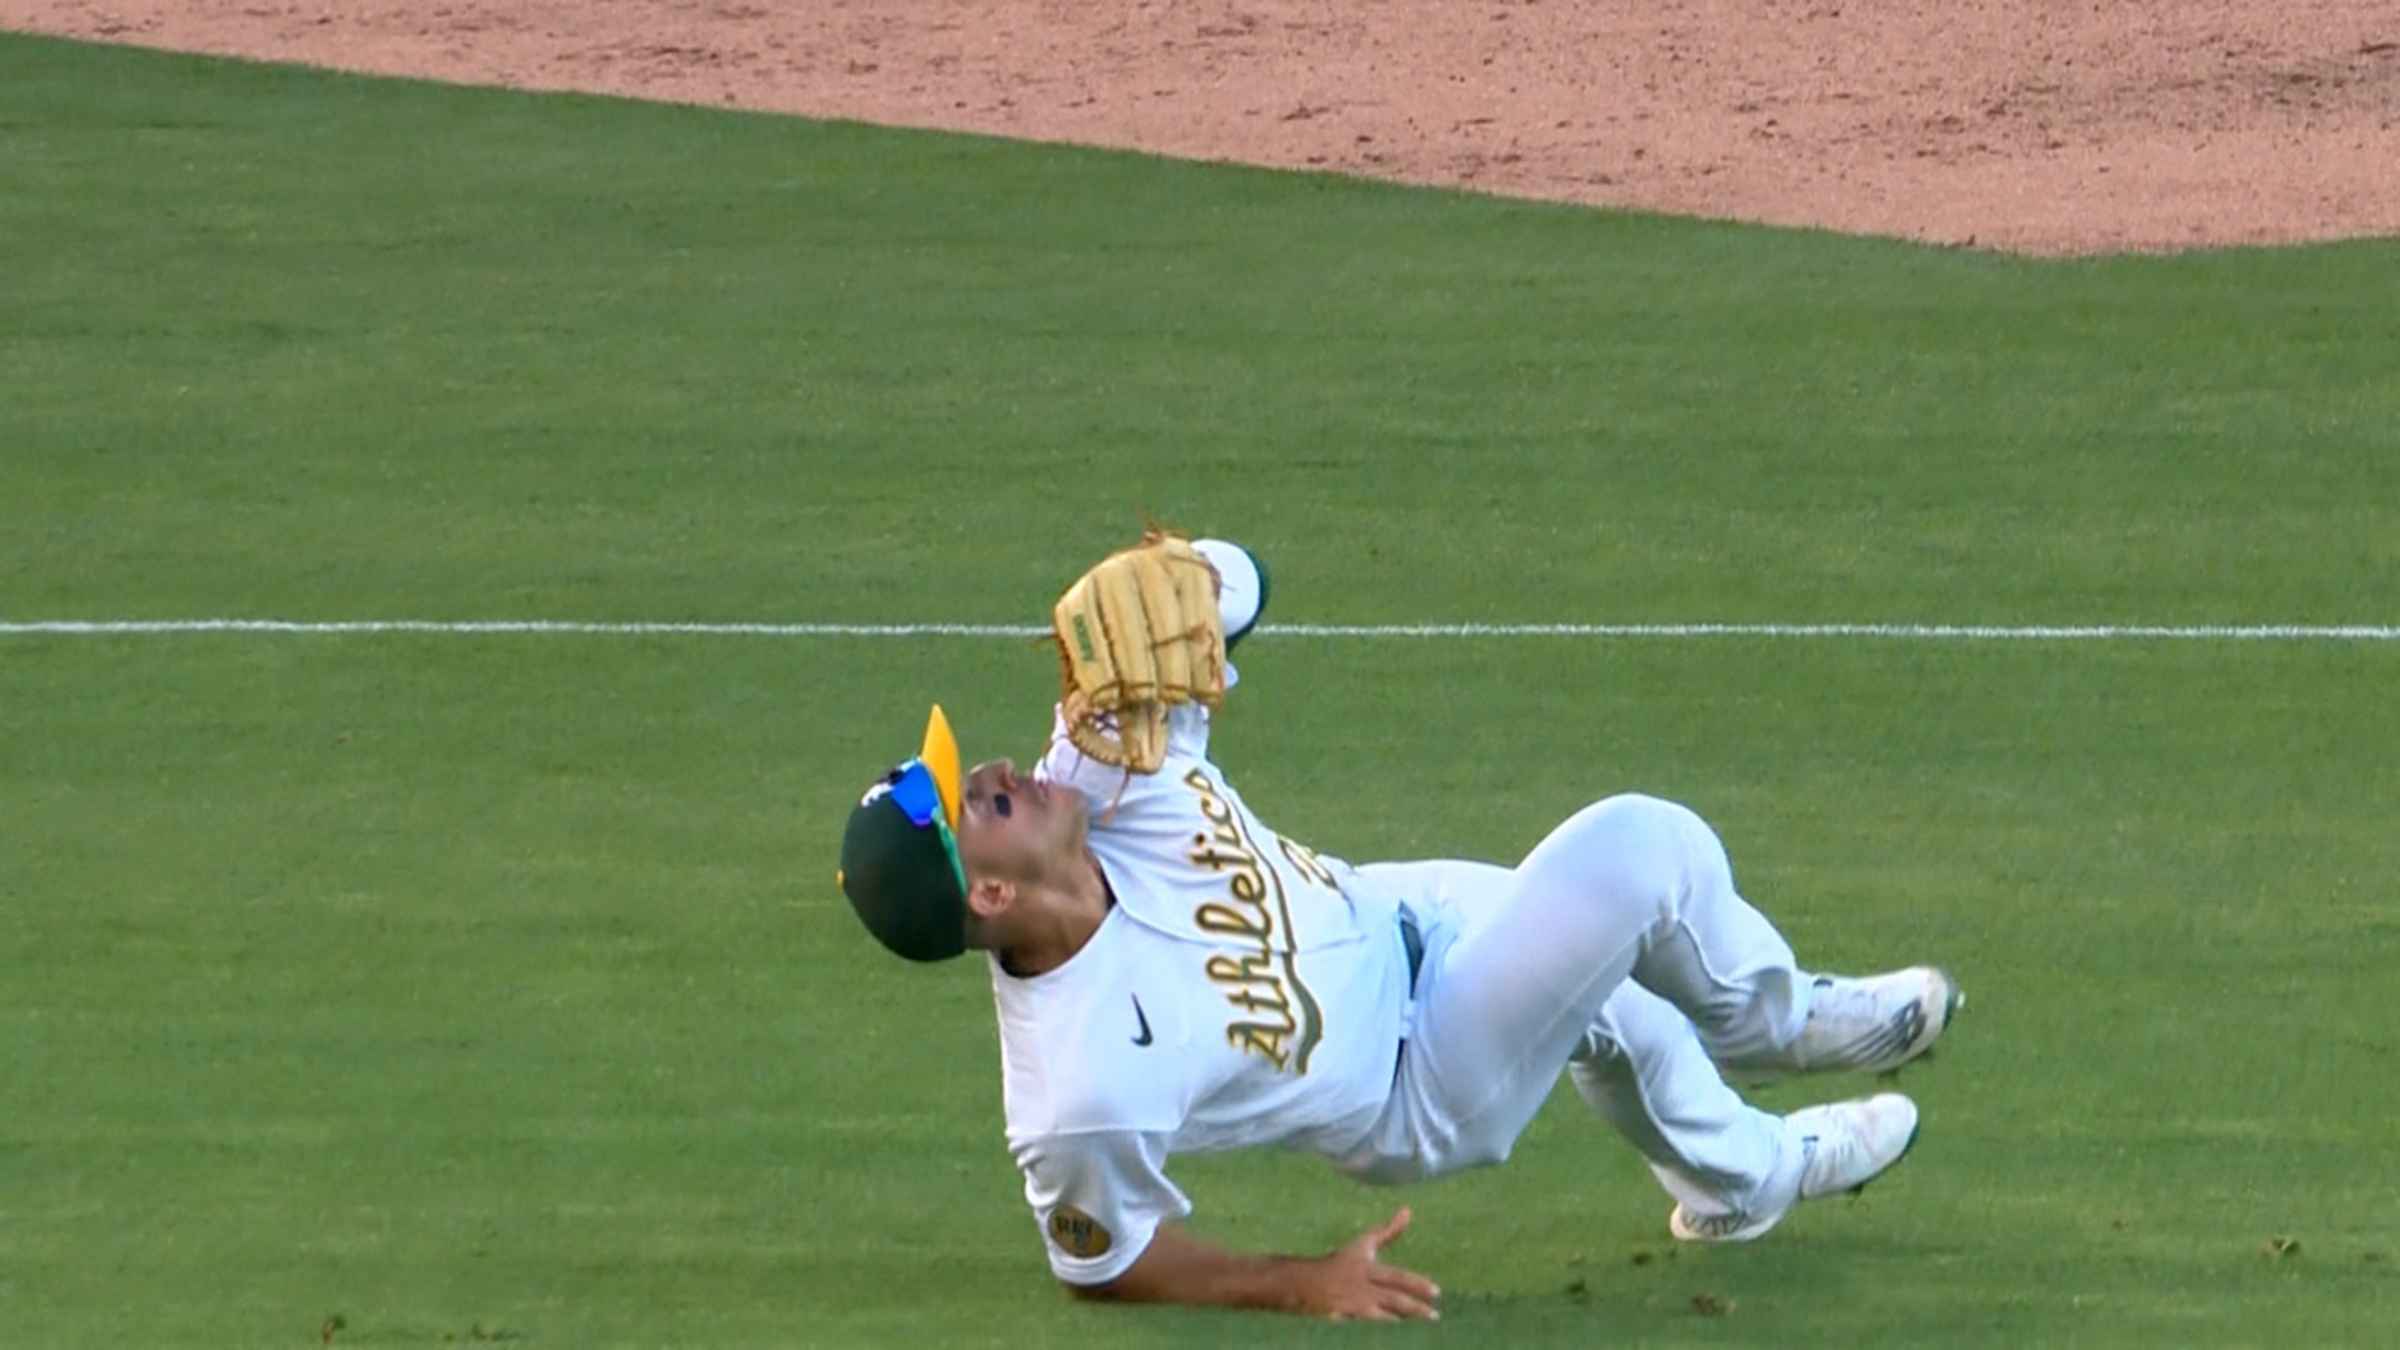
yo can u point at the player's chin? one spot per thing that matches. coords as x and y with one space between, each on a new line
1074 815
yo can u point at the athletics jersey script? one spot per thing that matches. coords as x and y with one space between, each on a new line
1277 1018
1242 991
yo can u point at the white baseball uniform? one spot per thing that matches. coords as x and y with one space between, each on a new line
1244 990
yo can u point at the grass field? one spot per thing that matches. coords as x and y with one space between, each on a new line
494 987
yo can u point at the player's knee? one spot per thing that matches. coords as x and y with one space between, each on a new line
1642 814
1632 848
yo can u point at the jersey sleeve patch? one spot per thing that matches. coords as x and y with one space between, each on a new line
1078 1234
1098 1199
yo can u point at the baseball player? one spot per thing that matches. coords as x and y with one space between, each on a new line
1173 975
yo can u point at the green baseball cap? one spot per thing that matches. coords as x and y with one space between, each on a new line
900 864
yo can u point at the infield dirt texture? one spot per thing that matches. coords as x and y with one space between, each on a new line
464 982
2012 124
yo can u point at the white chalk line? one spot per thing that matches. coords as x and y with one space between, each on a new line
1888 631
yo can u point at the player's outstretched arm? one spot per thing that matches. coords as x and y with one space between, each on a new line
1351 1281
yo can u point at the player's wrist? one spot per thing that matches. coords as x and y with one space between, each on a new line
1271 1283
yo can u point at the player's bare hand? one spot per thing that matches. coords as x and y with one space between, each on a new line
1354 1282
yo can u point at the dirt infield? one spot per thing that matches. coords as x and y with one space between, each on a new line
2043 126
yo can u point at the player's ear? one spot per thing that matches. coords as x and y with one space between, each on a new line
990 897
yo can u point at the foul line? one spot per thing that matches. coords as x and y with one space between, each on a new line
1900 631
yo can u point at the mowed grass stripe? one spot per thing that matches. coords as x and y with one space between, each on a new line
280 338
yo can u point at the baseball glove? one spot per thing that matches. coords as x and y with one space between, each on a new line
1138 634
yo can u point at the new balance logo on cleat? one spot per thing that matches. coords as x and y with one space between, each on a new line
1874 1024
1891 1040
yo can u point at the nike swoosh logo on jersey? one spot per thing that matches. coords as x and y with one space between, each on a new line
1144 1038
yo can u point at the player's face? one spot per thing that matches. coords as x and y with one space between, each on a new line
1015 828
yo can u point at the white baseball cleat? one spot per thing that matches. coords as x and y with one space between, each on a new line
1873 1023
1844 1145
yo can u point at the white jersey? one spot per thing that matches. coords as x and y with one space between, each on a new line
1242 991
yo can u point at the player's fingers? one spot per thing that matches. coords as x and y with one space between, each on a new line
1400 1305
1407 1281
1391 1230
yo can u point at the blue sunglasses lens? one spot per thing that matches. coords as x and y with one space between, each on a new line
916 795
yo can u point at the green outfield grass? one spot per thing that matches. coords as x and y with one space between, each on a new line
495 987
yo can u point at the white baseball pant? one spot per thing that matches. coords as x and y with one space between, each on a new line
1619 951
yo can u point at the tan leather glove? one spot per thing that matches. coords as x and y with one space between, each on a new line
1138 634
